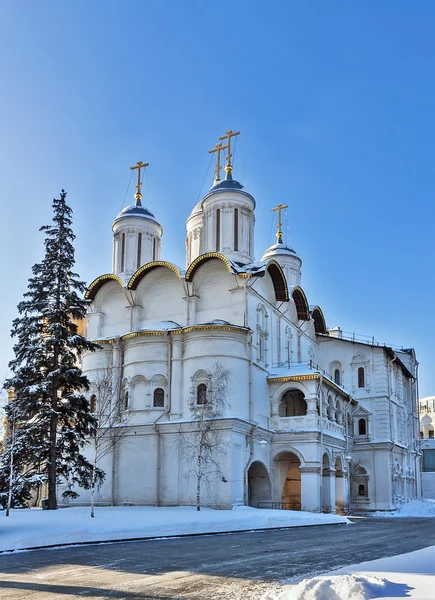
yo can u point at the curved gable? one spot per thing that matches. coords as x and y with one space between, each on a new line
193 267
136 278
319 320
99 282
301 303
279 281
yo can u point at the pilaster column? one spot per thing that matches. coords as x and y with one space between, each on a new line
177 377
310 488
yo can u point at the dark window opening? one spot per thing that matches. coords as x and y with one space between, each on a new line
362 427
218 230
201 394
236 229
126 401
139 249
337 376
361 382
159 398
122 251
93 403
361 490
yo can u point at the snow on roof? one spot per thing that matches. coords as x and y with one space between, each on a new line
161 326
292 370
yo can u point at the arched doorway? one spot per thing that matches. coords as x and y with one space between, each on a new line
339 487
293 404
289 478
258 485
326 489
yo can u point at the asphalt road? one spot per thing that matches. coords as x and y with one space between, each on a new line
237 566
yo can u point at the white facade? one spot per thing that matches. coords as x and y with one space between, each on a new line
303 427
427 442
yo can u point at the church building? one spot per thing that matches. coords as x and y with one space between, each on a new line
313 419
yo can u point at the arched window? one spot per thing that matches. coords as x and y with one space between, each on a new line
361 490
361 378
201 394
93 403
159 398
218 230
139 250
293 404
126 400
236 229
362 427
154 248
122 251
337 376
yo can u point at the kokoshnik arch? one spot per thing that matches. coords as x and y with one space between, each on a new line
313 420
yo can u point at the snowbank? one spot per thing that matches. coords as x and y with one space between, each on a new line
28 528
409 575
413 508
342 587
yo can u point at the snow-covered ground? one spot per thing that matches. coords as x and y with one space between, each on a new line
409 575
414 508
28 528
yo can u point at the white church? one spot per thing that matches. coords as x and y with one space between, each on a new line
314 419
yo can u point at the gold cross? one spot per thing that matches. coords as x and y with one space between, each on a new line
279 208
217 171
229 134
140 165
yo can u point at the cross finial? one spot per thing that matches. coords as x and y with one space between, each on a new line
229 134
217 171
279 208
138 195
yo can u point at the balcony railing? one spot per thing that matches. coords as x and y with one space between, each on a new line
308 423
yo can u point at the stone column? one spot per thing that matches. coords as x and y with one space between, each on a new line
332 490
340 500
310 489
177 378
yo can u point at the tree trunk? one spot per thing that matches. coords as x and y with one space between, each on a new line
52 500
94 468
11 472
198 481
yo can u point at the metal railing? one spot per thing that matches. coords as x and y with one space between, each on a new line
296 505
357 337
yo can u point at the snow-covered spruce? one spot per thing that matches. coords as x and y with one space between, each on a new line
49 419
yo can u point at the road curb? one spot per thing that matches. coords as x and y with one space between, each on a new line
157 537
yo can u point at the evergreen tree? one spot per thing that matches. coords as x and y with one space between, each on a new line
50 412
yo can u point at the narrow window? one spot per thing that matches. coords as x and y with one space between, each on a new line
139 249
122 251
236 229
218 230
159 398
431 432
154 248
93 403
361 382
362 428
337 376
201 394
361 490
126 401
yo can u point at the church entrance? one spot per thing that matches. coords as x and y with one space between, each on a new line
259 489
287 465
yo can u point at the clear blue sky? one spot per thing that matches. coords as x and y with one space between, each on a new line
335 102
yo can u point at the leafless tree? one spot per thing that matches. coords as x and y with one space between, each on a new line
202 443
111 419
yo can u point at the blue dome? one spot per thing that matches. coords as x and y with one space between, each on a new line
135 211
228 185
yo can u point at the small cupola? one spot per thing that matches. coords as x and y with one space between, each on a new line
285 256
136 235
223 221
